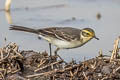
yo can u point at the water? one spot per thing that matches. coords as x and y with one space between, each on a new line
73 13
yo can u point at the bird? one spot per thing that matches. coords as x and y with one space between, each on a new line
61 37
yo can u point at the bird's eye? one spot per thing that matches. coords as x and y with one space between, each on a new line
85 34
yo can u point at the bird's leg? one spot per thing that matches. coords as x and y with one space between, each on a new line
50 49
56 51
58 55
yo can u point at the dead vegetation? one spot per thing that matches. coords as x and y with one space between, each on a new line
31 65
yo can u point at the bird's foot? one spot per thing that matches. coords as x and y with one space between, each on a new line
61 58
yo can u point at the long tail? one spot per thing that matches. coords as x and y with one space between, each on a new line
25 29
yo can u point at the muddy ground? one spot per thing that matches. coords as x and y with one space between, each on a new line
18 64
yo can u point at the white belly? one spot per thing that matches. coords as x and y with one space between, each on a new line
64 44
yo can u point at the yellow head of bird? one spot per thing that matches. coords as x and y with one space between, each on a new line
89 33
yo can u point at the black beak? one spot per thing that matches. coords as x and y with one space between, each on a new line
96 37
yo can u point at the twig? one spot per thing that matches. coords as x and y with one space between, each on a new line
17 53
105 78
100 53
53 71
76 72
60 61
17 67
71 74
40 74
2 76
115 50
5 57
42 61
116 69
72 67
69 68
1 52
85 76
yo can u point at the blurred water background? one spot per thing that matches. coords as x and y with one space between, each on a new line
101 15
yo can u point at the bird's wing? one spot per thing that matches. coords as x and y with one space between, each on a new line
62 33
